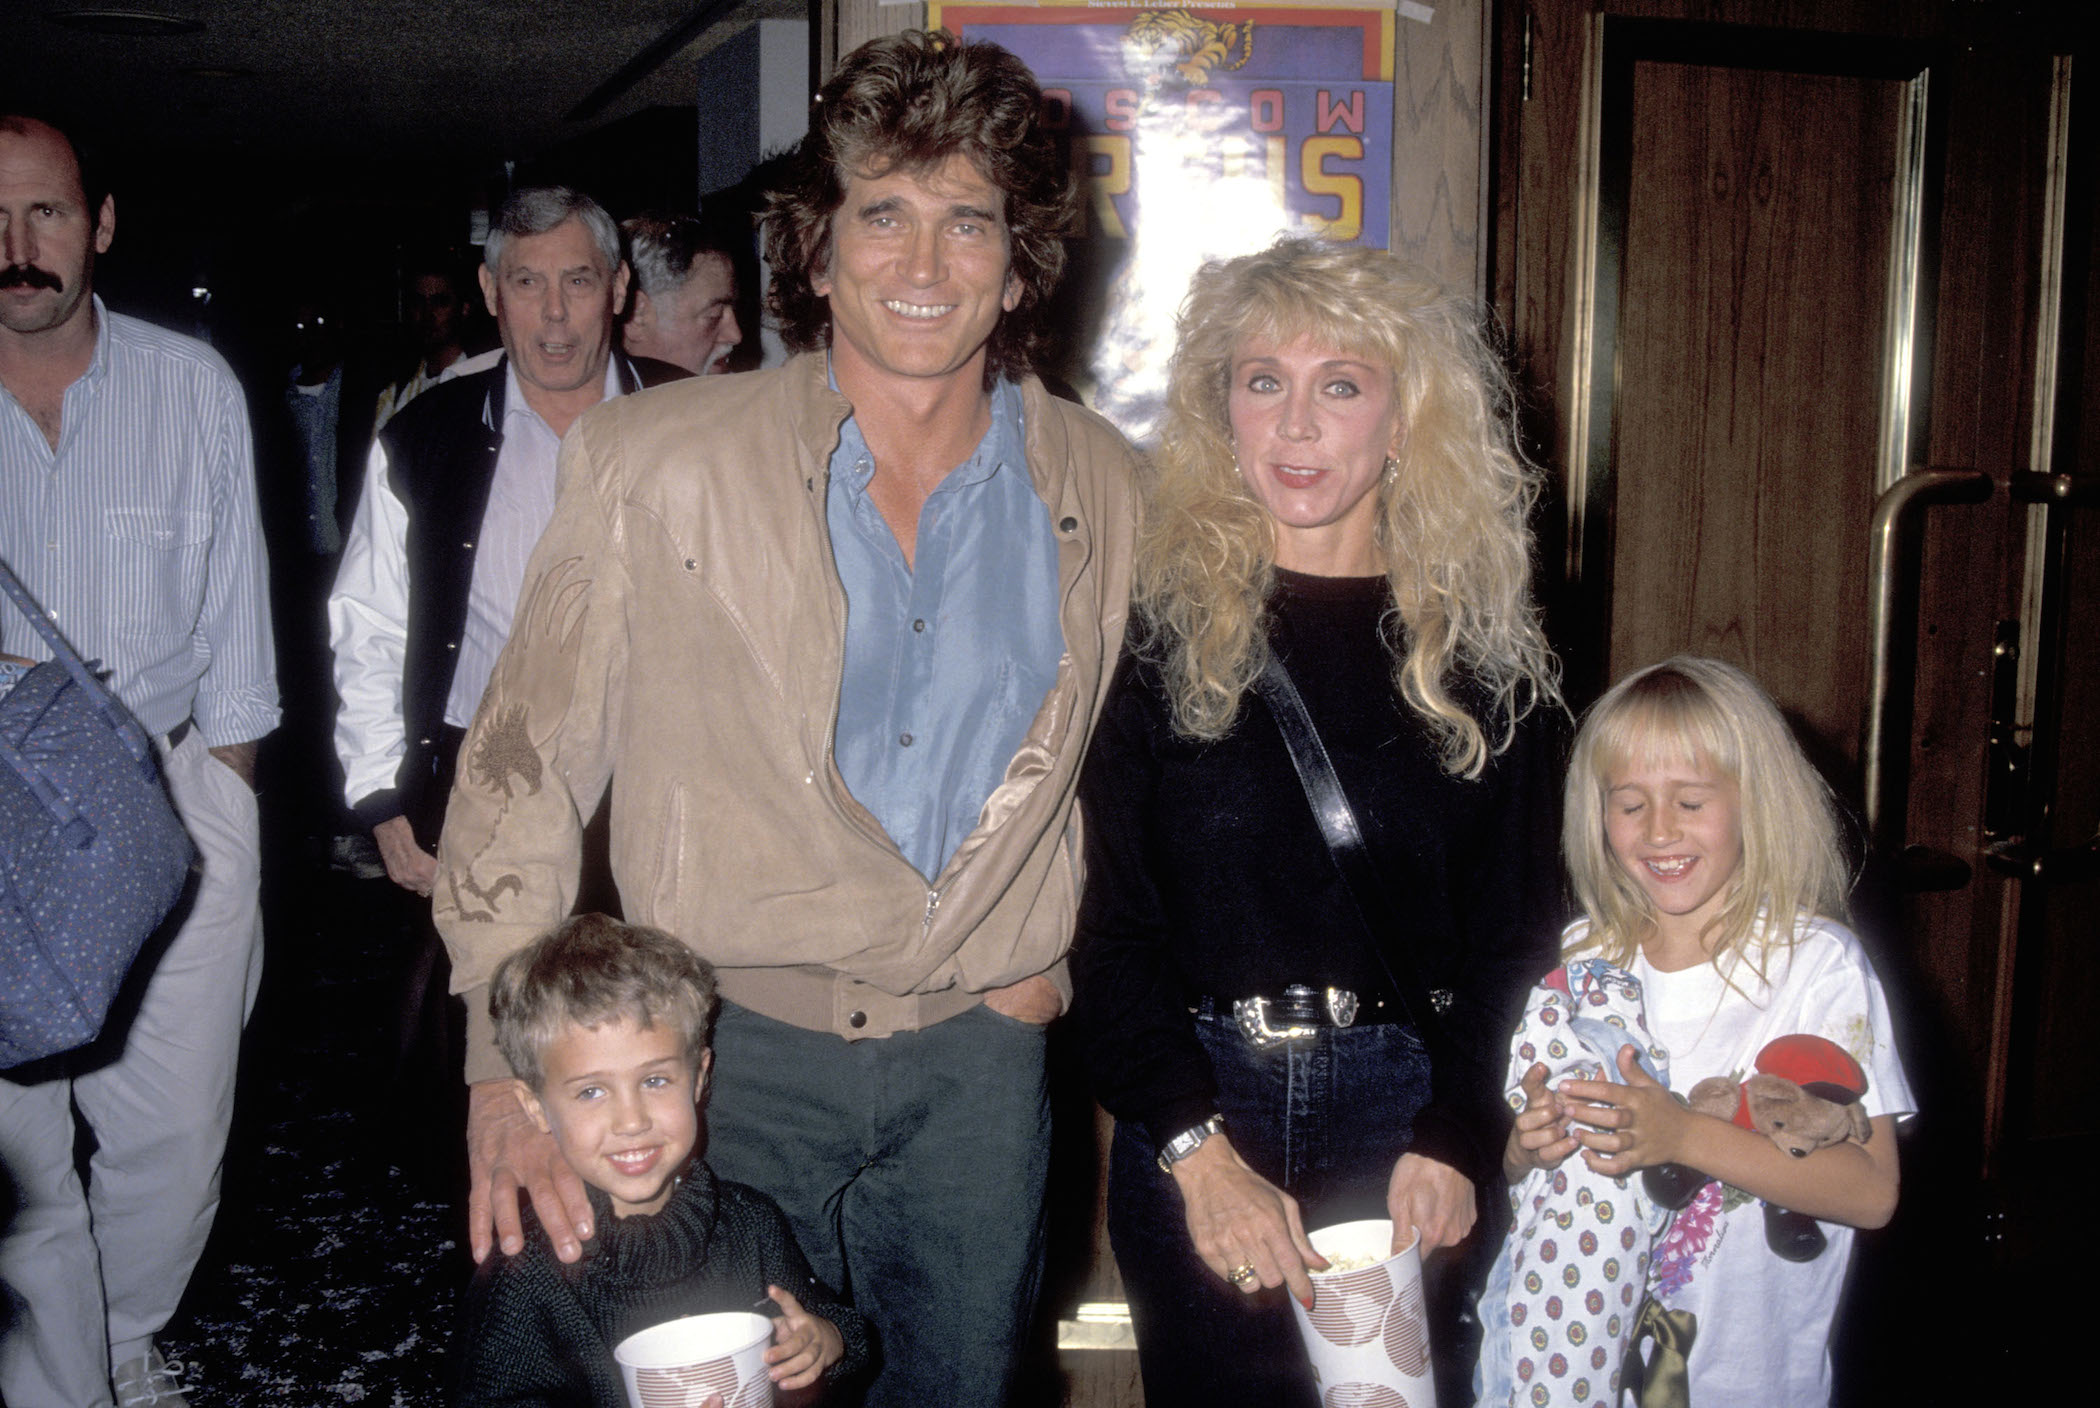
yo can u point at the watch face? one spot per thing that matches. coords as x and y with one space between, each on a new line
1188 1141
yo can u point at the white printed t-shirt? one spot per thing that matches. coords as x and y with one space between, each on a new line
1763 1323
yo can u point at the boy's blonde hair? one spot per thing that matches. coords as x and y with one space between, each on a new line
590 970
1692 709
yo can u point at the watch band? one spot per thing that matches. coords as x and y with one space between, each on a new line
1188 1142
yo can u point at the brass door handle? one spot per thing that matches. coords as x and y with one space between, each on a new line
1891 608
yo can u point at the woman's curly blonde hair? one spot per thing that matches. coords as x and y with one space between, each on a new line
1452 525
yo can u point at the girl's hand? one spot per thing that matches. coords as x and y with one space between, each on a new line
1631 1126
1431 1198
1540 1139
1239 1220
804 1345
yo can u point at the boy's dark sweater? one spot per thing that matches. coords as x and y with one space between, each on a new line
538 1331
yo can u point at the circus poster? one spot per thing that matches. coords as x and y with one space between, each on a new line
1198 132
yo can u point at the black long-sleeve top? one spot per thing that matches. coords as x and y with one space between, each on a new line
536 1332
1207 874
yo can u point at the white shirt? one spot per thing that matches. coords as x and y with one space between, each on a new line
368 610
1763 1324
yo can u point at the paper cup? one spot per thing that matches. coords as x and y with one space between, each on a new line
681 1363
1368 1330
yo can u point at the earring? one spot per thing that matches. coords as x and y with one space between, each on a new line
1392 469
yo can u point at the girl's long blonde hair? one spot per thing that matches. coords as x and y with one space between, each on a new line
1689 709
1452 526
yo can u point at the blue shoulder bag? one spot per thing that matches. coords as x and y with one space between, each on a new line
92 853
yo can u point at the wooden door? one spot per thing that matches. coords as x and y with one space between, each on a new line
1785 281
2042 819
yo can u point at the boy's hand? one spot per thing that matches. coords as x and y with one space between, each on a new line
506 1151
1540 1139
1632 1126
804 1345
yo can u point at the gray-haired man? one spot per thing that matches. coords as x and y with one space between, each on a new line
458 488
685 293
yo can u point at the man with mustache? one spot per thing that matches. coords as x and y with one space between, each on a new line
29 276
127 507
457 489
685 294
841 629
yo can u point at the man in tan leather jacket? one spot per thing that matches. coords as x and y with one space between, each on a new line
840 631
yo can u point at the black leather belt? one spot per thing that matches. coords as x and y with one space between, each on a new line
1301 1011
176 734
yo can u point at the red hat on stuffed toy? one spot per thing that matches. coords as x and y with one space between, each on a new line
1820 1067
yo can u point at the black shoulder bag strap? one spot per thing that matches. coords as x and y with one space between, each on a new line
1344 837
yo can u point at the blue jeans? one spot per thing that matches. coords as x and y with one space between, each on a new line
912 1169
1325 1119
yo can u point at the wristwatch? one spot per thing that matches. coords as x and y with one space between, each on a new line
1188 1142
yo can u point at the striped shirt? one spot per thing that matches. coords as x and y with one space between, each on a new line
521 501
139 534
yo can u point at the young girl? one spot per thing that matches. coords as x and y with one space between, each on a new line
1703 849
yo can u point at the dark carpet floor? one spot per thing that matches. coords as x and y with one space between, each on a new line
334 1266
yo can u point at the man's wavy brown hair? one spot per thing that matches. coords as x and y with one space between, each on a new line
911 101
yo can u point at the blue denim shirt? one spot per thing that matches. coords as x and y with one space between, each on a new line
947 660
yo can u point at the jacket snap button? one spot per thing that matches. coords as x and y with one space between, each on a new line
1068 524
856 1020
690 564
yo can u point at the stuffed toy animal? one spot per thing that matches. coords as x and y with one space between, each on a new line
1804 1095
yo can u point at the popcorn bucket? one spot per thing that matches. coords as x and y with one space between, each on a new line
1367 1333
682 1363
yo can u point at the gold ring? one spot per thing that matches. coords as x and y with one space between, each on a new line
1242 1274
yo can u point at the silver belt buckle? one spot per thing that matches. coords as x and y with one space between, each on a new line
1341 1006
1252 1014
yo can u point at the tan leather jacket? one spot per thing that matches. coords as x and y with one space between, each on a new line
683 628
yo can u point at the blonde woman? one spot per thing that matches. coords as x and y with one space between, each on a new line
1336 486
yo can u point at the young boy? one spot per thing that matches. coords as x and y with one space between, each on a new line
606 1027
